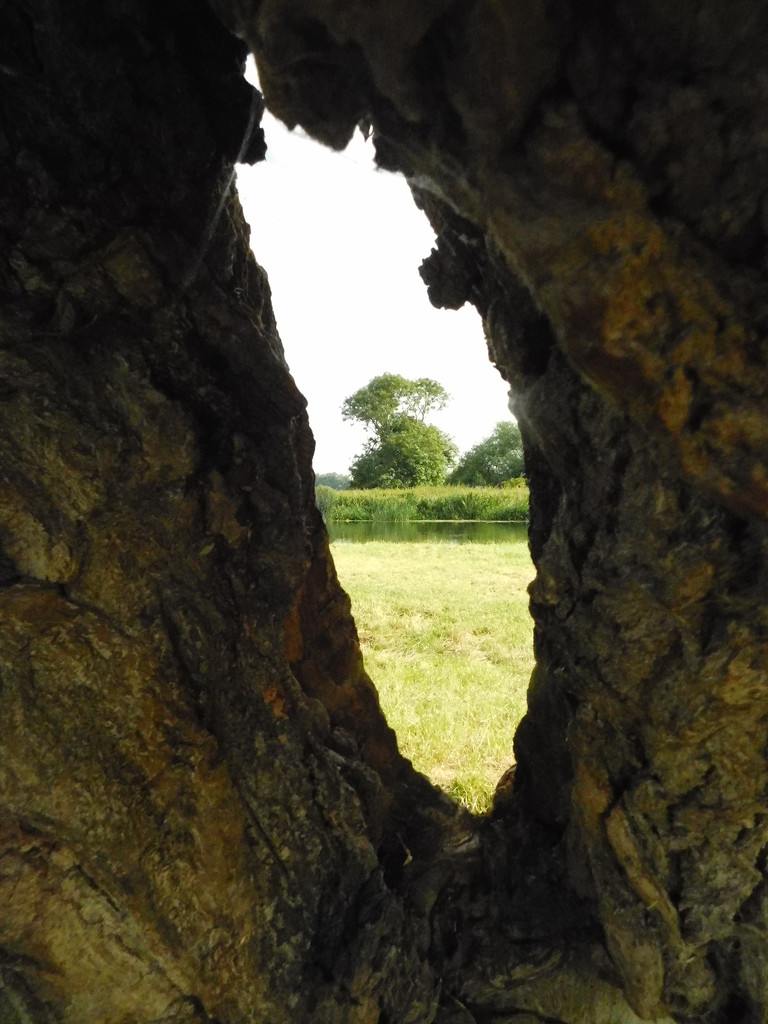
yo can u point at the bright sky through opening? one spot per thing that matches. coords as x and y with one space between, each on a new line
342 243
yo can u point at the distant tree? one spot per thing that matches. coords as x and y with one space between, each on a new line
338 481
402 450
492 461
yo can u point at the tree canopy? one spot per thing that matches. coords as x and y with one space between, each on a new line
494 460
406 454
402 450
389 397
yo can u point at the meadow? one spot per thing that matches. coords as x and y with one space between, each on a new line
446 636
500 504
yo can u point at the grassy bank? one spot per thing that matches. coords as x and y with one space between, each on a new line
506 504
446 636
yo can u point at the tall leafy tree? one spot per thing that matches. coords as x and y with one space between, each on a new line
494 460
402 449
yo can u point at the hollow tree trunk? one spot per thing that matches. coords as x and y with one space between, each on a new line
204 815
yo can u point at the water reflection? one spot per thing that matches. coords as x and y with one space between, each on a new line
449 532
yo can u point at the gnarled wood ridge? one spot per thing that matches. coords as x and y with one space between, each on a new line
204 816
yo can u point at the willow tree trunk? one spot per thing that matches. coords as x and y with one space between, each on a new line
204 816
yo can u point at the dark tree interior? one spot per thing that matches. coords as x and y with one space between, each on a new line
204 817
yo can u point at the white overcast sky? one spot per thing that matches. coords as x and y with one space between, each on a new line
341 243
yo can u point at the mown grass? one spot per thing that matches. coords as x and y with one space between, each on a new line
503 504
446 635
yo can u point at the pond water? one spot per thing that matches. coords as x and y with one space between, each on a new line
449 532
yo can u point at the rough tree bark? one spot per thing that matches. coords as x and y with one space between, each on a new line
204 815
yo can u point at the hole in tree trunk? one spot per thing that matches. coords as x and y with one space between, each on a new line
443 624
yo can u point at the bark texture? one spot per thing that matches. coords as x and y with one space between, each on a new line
189 829
203 815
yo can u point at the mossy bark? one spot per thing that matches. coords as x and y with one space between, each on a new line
204 814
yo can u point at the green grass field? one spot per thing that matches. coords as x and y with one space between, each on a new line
446 636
